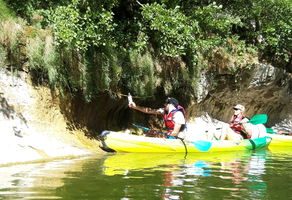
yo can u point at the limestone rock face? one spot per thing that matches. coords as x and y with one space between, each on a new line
262 89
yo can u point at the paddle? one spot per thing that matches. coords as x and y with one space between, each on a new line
141 127
259 119
148 130
270 130
202 145
262 119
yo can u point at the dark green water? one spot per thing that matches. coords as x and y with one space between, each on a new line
255 175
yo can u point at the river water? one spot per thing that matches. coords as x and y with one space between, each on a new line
261 174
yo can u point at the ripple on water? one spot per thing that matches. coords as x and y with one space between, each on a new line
256 175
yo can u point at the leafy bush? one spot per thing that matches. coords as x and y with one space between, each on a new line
5 13
169 29
42 56
2 56
214 20
81 28
139 74
10 31
266 24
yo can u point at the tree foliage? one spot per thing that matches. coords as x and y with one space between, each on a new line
117 42
82 26
170 30
266 24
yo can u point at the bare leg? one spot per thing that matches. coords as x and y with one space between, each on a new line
231 135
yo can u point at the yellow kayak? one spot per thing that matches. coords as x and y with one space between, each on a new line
124 142
279 141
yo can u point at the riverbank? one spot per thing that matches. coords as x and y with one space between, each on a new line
32 126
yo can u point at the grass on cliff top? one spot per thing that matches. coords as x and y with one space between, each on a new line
5 12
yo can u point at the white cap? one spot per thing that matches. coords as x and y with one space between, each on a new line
239 107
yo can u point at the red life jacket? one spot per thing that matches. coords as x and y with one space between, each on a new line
235 125
168 118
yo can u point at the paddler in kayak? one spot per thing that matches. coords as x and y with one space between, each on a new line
239 127
173 116
237 124
233 130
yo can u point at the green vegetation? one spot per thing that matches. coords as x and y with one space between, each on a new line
147 47
171 31
5 12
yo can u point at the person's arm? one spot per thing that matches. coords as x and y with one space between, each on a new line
246 127
179 120
176 129
244 120
146 110
243 123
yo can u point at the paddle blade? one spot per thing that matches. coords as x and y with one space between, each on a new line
259 119
202 145
270 130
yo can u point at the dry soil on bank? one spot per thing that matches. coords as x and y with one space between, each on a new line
32 126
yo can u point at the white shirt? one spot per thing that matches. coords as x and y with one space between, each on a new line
178 117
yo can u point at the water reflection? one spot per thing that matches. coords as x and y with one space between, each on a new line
192 164
237 172
36 181
235 175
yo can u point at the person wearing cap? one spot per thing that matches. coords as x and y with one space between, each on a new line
173 116
237 122
239 128
234 130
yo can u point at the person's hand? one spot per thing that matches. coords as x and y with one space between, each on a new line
161 110
132 105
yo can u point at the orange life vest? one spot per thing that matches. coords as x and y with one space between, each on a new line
237 127
168 118
234 123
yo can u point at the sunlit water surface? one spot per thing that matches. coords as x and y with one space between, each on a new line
256 175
